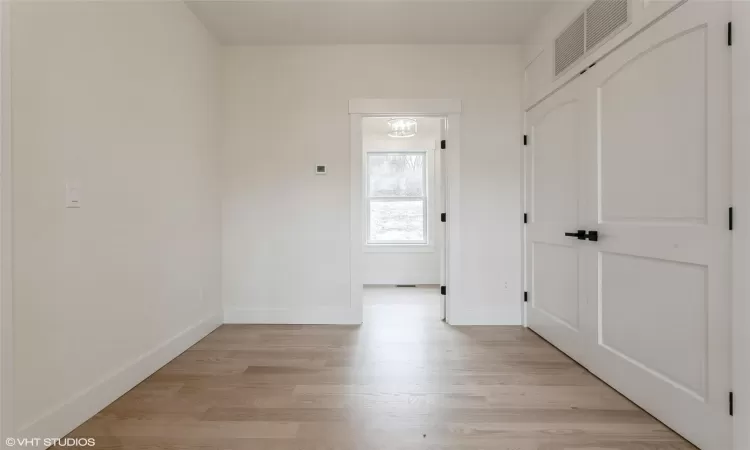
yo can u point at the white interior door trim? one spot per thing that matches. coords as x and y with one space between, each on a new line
417 107
451 110
441 207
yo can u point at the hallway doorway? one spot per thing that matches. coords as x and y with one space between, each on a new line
404 195
405 158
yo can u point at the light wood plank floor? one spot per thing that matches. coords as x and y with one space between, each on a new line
403 380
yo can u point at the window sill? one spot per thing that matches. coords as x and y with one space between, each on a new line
398 248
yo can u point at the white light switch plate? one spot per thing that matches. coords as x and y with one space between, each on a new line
73 195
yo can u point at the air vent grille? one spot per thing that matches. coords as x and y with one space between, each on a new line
570 45
603 18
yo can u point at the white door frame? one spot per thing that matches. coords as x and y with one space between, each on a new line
6 270
450 109
741 234
441 176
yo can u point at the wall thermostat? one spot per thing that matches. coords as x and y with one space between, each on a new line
320 170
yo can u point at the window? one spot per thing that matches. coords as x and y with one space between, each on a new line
396 198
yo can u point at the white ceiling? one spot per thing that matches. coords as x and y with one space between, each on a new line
315 22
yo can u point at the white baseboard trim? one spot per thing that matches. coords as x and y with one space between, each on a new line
392 281
288 316
487 316
67 416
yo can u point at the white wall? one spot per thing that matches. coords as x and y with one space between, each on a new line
402 264
121 98
401 267
286 230
6 288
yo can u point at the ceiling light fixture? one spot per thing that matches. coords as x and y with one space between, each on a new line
402 128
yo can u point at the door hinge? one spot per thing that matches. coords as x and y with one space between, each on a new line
442 144
443 290
731 218
525 139
525 296
525 218
729 34
443 217
731 403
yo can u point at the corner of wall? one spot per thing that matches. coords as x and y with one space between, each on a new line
63 418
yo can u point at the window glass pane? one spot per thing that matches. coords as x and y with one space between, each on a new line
396 175
397 221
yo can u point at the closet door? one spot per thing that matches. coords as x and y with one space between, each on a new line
552 204
657 168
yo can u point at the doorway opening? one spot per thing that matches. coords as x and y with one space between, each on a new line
404 201
404 166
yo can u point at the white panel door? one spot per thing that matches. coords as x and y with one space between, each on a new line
552 191
657 168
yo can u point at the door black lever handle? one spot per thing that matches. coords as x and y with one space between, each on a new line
580 235
593 236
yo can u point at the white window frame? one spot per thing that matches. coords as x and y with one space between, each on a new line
425 198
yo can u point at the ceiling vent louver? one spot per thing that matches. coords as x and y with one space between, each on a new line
601 20
570 45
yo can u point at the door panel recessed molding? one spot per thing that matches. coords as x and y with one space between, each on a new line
652 128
